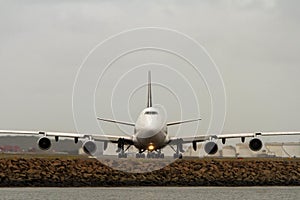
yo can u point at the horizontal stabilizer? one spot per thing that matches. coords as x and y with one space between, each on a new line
117 122
182 122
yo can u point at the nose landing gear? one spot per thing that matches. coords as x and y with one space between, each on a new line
155 155
152 154
140 155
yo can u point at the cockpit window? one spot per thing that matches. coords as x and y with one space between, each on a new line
151 113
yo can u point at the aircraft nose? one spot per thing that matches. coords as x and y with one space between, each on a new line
148 133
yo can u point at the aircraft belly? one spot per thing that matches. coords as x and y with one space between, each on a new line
158 140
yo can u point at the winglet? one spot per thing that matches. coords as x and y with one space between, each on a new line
149 100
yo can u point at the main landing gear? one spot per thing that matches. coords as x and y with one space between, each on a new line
179 149
120 150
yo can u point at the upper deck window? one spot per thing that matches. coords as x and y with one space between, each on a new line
151 113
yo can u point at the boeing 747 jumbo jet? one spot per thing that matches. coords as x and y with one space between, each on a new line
150 135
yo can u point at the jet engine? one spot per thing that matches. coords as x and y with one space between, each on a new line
89 147
44 143
255 144
211 148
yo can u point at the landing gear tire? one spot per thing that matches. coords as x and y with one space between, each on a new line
140 155
176 155
122 155
149 155
155 155
179 149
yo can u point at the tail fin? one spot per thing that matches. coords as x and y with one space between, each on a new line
149 100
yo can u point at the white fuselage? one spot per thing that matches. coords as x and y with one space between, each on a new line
150 131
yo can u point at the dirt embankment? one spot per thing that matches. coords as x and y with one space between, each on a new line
71 172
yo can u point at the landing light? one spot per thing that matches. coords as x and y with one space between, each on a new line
151 147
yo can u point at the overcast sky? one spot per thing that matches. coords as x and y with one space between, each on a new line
255 45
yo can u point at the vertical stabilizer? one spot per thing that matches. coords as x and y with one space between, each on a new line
149 100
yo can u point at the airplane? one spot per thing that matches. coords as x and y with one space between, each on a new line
150 135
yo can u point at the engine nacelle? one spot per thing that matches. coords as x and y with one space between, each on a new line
255 144
211 148
89 147
44 143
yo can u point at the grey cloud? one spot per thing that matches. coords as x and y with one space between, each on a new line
254 43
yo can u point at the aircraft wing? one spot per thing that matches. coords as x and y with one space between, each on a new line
96 137
13 132
190 139
112 138
202 138
241 135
